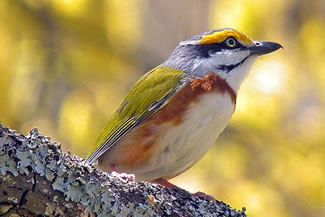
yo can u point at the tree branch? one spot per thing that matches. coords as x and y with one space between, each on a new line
37 179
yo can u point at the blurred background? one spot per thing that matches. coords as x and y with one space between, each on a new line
65 66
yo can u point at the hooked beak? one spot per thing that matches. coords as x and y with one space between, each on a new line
263 47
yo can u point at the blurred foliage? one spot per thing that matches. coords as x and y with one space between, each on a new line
65 66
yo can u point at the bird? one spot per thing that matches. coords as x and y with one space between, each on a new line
175 112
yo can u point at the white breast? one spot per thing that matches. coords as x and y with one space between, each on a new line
184 145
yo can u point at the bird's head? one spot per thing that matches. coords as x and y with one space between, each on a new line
226 52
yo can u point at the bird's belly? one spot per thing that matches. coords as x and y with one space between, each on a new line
181 146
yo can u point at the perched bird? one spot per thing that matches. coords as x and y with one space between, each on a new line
175 112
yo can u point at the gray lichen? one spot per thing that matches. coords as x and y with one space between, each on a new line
97 191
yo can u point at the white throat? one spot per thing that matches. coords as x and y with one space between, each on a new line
236 77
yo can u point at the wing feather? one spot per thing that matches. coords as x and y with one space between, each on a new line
147 96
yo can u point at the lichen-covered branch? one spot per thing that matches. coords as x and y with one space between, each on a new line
37 179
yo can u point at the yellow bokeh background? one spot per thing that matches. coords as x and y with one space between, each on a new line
65 66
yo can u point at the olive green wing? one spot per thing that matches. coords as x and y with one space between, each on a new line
147 96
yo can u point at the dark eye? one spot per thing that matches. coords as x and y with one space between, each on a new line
231 42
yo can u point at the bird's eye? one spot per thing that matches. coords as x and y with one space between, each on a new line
231 42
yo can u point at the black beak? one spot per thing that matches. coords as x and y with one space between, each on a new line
263 47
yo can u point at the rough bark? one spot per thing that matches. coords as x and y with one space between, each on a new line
37 179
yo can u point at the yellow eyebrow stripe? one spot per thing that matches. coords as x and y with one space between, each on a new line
220 36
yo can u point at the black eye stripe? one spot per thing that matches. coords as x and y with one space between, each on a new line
204 50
